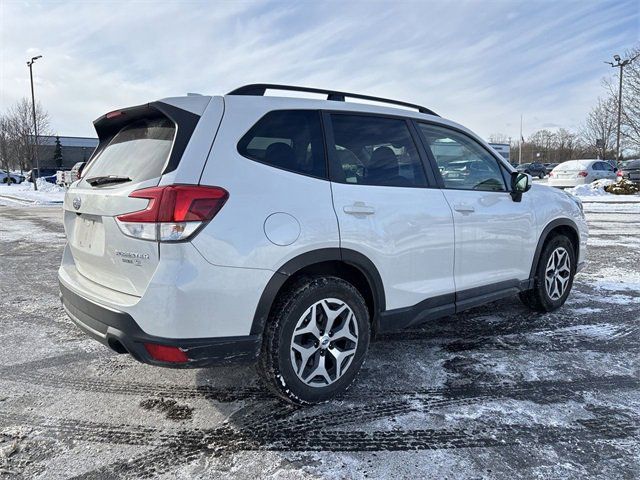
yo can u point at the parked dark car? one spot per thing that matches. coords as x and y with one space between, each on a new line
48 174
630 170
533 169
550 166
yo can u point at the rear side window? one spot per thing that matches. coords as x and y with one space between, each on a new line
139 151
287 139
372 150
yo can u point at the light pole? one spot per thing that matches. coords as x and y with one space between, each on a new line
35 122
620 63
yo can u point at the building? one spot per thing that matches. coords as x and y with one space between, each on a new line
74 150
503 149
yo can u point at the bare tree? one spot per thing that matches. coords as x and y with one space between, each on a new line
630 115
567 144
631 102
21 138
5 158
599 130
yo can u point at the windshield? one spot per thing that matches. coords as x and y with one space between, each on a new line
139 151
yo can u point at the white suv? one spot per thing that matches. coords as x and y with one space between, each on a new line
290 230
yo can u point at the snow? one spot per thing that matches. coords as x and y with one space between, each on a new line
593 189
23 193
595 192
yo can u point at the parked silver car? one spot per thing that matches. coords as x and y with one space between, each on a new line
581 172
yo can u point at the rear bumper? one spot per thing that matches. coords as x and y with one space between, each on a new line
566 182
119 331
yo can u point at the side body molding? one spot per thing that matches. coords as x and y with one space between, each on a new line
350 257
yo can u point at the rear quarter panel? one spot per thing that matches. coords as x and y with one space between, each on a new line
236 236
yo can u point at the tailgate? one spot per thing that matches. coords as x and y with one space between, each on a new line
137 147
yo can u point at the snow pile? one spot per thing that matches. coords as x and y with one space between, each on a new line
43 186
47 193
593 189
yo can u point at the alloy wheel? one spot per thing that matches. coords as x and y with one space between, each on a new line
557 273
324 342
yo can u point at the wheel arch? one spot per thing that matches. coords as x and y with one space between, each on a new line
350 265
563 226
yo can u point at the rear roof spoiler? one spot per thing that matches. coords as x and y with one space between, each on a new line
111 123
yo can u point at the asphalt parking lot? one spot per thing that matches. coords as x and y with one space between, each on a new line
495 392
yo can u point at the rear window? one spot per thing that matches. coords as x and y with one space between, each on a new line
287 139
138 151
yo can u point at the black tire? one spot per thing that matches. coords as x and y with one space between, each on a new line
541 176
538 298
275 364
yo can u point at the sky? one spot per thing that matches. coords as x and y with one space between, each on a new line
482 64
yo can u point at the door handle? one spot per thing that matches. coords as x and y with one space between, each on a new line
464 208
359 208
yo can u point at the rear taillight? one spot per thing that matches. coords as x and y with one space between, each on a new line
620 173
582 174
174 212
550 174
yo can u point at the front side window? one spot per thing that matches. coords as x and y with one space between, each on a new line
287 139
372 150
463 163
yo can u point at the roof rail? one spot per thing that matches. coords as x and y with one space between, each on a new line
259 89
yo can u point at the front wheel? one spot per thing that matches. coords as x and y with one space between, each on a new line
554 276
315 341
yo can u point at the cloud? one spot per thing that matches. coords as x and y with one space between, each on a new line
482 64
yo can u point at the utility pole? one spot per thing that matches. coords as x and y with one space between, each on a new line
520 143
620 63
35 122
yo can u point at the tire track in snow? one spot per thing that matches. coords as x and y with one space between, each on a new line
173 450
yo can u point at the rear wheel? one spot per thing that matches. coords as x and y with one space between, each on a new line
315 341
541 176
554 276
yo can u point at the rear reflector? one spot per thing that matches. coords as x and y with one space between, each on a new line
174 212
165 353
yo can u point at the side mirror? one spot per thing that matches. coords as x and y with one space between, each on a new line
520 183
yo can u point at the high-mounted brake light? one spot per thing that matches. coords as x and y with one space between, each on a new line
582 173
174 212
115 113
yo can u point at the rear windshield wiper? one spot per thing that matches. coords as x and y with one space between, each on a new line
106 180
